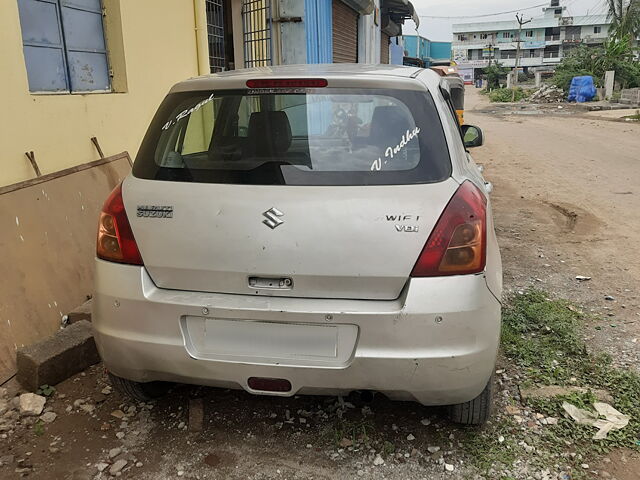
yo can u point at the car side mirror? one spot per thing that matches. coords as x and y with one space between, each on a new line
472 136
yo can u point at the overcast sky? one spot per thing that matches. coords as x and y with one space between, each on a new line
440 29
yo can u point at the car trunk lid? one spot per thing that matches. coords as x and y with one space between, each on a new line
317 242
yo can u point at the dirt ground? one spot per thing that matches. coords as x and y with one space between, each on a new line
566 203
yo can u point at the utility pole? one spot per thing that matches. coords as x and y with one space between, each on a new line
514 80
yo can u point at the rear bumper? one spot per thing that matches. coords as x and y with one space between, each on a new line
436 344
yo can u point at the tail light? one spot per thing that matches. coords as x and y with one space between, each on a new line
115 238
458 243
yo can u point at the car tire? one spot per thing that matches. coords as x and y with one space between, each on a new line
476 411
142 392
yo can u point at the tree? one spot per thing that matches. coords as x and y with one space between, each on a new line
616 54
494 74
625 17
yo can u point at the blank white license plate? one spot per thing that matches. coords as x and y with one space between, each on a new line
268 341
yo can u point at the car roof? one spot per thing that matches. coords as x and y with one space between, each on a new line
338 75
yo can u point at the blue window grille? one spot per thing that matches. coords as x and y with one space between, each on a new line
64 46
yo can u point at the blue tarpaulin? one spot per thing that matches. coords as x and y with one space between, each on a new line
582 89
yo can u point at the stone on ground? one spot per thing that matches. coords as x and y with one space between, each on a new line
117 466
31 404
551 391
114 452
48 417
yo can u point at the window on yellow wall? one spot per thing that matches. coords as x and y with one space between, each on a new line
64 45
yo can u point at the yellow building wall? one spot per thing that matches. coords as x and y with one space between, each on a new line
152 45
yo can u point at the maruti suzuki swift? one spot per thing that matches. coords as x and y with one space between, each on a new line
314 229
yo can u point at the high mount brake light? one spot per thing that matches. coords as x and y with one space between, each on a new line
458 243
287 83
115 238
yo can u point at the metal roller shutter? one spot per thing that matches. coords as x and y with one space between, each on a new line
345 33
384 48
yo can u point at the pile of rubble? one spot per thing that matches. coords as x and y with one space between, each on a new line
548 94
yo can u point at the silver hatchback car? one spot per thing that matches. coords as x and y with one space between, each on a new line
315 229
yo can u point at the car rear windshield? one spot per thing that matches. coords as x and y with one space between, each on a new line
323 136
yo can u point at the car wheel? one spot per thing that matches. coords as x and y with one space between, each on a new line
476 411
142 392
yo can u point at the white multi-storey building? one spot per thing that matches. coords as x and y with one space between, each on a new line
544 41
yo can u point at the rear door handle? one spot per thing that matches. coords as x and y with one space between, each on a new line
271 283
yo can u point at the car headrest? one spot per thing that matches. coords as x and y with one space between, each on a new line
269 133
388 124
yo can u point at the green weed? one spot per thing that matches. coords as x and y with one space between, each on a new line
38 428
542 336
45 390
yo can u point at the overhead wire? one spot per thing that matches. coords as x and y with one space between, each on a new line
452 17
486 14
599 11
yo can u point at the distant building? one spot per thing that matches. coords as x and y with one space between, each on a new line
430 52
545 41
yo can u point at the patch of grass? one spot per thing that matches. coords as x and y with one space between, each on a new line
487 451
38 428
354 430
388 448
507 94
542 336
634 117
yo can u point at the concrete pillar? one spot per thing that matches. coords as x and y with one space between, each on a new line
509 80
609 79
369 36
293 37
238 41
538 79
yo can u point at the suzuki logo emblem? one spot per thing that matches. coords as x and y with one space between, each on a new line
272 221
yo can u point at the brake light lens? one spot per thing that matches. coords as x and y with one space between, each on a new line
458 243
269 384
115 238
287 83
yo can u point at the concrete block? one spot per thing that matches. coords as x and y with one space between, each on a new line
57 358
83 312
609 83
